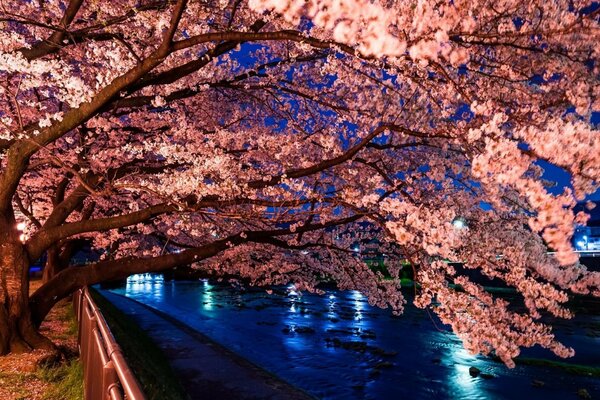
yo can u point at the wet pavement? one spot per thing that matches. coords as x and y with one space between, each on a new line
206 369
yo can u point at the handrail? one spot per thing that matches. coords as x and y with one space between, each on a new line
106 374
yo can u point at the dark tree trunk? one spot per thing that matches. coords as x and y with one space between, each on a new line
52 266
17 332
58 258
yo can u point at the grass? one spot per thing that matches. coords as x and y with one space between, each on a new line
406 282
146 360
15 383
66 380
43 374
573 369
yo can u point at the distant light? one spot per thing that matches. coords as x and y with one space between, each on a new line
584 237
21 226
214 234
580 244
292 290
22 238
356 249
459 223
304 252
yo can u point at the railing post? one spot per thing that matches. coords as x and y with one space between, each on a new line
109 379
106 374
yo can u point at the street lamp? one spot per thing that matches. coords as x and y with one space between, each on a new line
459 223
21 227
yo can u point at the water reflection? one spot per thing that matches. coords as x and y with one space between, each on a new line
331 306
293 296
462 383
207 295
357 298
152 284
337 346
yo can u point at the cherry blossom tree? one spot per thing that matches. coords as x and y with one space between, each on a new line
265 139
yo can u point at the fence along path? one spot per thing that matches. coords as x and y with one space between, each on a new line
106 374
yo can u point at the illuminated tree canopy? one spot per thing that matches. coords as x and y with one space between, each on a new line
265 139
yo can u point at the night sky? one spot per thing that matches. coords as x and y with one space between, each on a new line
560 176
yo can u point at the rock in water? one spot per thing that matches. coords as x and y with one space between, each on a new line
584 394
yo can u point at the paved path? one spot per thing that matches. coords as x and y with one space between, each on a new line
206 369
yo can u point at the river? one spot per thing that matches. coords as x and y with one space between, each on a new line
336 346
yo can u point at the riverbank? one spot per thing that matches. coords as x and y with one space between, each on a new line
40 375
336 346
148 363
206 369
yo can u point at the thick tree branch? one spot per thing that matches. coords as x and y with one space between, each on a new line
284 35
19 153
74 277
324 165
54 42
52 233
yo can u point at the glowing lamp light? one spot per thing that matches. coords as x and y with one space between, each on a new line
292 290
459 223
21 226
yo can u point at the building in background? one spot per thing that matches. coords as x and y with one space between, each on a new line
587 238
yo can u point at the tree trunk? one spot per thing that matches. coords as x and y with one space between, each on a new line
59 257
17 332
52 264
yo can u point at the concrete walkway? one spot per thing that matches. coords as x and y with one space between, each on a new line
206 369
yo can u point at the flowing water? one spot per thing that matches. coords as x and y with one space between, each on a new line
336 346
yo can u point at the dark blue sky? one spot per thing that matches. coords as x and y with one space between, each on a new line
560 176
552 173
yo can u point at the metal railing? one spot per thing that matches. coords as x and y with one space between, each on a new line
106 374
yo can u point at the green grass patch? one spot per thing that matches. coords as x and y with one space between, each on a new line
66 380
406 282
66 377
144 357
574 369
73 327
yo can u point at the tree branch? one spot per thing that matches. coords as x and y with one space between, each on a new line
71 278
